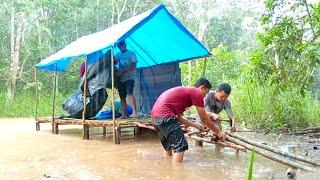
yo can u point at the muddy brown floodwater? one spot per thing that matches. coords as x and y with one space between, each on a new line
28 154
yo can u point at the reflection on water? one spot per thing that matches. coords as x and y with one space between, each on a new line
27 154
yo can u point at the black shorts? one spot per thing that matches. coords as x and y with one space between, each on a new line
170 134
125 88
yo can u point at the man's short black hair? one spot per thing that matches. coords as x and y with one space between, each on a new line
225 87
203 81
121 43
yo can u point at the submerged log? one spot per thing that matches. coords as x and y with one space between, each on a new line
274 150
272 156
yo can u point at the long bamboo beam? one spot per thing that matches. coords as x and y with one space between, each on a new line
272 156
274 150
197 132
225 144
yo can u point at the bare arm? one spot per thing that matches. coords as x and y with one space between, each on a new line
206 120
189 123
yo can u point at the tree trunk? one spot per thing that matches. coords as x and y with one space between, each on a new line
201 31
76 24
112 15
120 12
15 52
97 15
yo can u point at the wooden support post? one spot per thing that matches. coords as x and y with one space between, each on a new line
118 134
85 133
199 143
237 153
104 131
54 97
56 128
112 96
37 99
137 130
37 126
217 148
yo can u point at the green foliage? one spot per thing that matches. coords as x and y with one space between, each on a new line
24 105
289 51
276 93
260 107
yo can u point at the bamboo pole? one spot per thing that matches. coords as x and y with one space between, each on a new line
225 144
112 95
85 131
272 156
37 100
197 132
54 97
37 95
274 150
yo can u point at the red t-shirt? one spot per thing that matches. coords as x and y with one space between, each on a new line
175 101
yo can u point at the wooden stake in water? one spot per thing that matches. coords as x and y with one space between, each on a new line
85 127
37 99
112 95
54 96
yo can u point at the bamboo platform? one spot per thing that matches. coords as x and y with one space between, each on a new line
137 124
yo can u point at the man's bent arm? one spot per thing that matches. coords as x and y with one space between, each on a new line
206 120
187 122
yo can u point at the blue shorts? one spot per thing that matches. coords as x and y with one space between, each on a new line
170 134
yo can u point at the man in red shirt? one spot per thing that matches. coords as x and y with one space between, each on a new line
168 110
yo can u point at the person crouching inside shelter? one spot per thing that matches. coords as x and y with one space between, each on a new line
217 101
127 66
168 110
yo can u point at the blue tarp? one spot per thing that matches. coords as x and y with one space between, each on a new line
156 36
